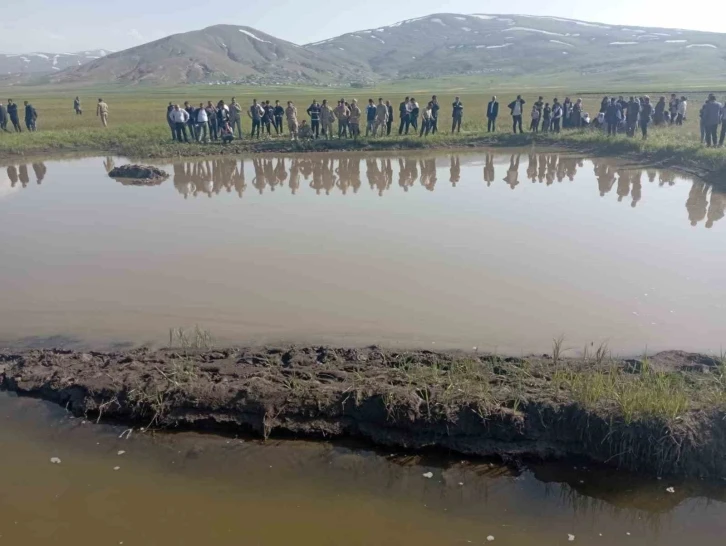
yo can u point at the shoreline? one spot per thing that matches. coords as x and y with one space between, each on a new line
708 165
660 415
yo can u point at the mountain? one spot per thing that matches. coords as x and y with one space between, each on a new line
540 51
217 53
523 45
44 62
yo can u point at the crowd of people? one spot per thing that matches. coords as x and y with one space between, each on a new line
222 121
10 117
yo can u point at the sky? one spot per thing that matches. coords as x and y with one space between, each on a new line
73 25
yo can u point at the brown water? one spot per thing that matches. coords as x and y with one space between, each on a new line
498 251
193 490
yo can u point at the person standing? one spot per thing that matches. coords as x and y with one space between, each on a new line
354 119
279 115
102 112
404 112
556 115
169 110
381 119
202 124
646 114
31 116
255 113
13 115
435 115
191 120
77 106
3 118
534 126
291 115
314 113
371 112
682 109
567 113
235 117
492 114
179 117
659 114
268 118
457 114
711 119
517 108
426 120
212 121
723 126
389 123
327 117
415 110
341 113
613 115
546 118
576 117
673 108
633 112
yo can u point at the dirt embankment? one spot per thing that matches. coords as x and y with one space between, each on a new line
663 415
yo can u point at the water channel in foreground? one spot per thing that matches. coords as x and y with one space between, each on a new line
490 250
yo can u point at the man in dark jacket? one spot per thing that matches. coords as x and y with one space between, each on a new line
212 121
457 114
389 123
435 115
613 115
169 110
30 116
314 113
3 118
633 111
517 109
492 114
191 122
279 116
711 119
404 113
646 115
13 115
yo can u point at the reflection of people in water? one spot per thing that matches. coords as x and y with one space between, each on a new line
666 177
637 191
238 178
623 190
532 167
489 169
428 173
605 176
407 173
716 208
512 177
551 169
108 164
280 171
13 175
697 202
294 183
39 169
23 175
376 178
652 173
259 181
455 170
328 175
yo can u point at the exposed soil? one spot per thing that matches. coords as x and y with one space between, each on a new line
471 404
138 175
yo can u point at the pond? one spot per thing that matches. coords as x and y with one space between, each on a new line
499 251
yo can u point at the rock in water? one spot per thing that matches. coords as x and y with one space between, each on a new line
139 174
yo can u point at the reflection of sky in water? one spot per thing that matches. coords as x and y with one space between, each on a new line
498 251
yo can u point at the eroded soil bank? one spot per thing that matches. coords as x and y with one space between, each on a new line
662 415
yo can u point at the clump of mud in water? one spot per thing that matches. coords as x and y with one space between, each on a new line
138 175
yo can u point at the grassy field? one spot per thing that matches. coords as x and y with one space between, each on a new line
138 123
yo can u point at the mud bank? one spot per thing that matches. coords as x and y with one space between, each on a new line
663 415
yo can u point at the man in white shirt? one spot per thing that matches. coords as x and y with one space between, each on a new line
202 125
682 108
179 117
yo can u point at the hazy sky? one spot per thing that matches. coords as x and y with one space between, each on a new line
72 25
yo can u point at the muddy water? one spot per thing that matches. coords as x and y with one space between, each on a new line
498 251
190 490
